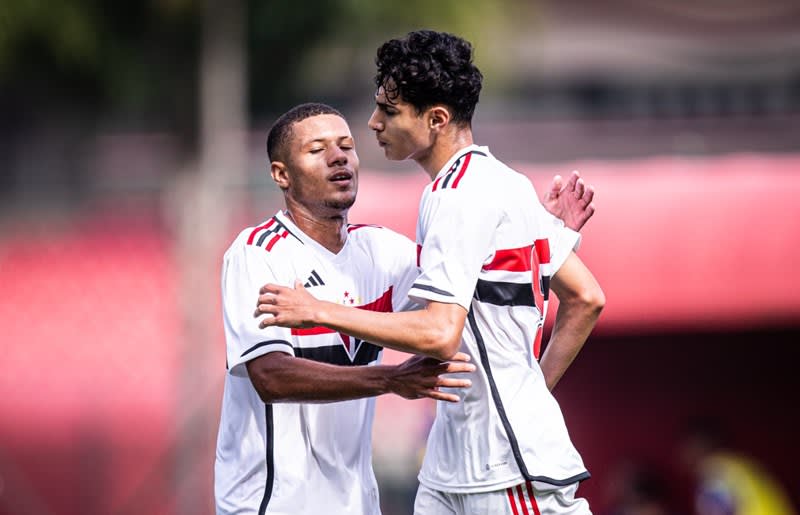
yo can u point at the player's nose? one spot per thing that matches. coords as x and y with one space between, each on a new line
374 121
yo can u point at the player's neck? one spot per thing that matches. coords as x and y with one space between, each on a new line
328 231
445 146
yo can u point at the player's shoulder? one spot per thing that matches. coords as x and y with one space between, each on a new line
463 173
266 236
375 236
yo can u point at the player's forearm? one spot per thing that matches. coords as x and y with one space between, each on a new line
575 319
289 379
434 331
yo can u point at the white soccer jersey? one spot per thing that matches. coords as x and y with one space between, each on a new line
485 242
293 458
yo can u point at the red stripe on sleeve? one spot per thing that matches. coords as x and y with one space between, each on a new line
463 169
419 252
537 344
275 239
513 260
257 229
543 250
436 183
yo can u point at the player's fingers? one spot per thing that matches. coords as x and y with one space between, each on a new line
555 186
268 322
267 299
588 195
573 180
579 188
452 382
461 356
261 308
270 288
457 368
441 396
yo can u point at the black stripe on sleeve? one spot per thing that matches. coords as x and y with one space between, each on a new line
268 232
316 275
268 342
452 172
432 289
504 294
270 451
546 287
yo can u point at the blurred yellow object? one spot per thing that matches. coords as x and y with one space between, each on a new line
735 485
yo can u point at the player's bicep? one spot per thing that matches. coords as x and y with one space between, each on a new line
244 272
574 280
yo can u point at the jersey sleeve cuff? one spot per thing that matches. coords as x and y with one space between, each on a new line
423 293
259 349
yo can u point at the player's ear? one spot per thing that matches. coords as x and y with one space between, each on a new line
438 117
280 174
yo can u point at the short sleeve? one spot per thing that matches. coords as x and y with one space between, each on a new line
562 239
455 240
245 270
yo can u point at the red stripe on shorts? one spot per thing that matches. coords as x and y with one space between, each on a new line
511 500
535 506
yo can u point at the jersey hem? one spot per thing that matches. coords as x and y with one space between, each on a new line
501 484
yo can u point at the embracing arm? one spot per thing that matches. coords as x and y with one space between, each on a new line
280 377
580 301
433 331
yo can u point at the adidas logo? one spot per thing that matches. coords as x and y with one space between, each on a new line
314 280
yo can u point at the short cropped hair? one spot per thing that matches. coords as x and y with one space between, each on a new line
281 131
425 68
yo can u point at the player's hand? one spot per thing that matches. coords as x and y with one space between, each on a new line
422 376
571 202
289 307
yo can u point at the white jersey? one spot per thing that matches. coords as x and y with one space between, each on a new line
485 242
295 458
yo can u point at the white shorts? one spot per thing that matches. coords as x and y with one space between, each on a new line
528 498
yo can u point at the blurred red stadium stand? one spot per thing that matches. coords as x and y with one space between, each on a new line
91 326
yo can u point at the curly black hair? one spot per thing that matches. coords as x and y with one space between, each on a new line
281 130
426 68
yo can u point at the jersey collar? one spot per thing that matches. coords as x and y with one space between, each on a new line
458 155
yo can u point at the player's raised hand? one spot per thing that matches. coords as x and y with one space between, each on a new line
422 376
571 202
289 307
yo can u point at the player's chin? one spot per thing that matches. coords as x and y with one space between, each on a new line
341 202
391 155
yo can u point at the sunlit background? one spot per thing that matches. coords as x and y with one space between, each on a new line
132 151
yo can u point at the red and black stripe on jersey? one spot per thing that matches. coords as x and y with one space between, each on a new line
453 176
523 259
351 351
269 234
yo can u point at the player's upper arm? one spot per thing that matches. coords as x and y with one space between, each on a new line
456 233
574 282
244 271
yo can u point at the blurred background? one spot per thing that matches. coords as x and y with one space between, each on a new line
132 151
